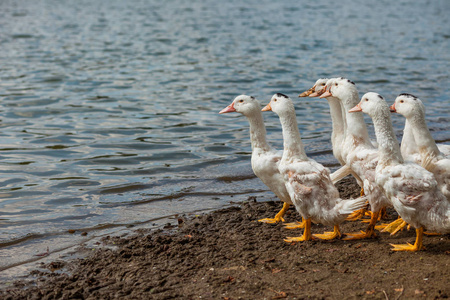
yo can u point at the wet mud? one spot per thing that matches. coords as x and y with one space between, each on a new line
228 254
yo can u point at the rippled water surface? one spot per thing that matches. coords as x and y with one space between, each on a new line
109 109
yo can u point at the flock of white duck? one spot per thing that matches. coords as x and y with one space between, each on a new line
413 178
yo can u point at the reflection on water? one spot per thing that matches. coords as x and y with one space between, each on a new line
109 112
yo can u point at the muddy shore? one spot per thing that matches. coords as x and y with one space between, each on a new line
227 254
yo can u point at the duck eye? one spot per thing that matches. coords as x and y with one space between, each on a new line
241 101
336 84
401 101
275 100
367 99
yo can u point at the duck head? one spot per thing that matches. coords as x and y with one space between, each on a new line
317 87
341 88
371 103
243 104
279 104
408 105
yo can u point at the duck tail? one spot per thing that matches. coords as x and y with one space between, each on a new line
350 205
340 173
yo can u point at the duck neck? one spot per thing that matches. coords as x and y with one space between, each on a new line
388 148
338 122
408 146
422 136
258 132
293 146
356 127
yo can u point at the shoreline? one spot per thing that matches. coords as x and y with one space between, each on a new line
228 254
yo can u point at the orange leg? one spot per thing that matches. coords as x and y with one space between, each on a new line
278 217
418 245
307 236
369 233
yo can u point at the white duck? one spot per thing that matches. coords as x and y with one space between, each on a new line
415 109
414 191
264 160
339 128
308 182
337 133
409 148
358 151
428 154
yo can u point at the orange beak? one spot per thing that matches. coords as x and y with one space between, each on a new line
308 92
318 93
267 108
325 93
356 108
392 107
228 109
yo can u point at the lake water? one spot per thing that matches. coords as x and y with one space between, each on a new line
109 109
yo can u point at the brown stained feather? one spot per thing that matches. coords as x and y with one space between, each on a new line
323 180
357 141
299 186
302 189
413 199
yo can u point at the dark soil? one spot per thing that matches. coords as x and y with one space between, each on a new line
227 254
